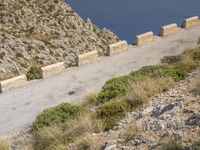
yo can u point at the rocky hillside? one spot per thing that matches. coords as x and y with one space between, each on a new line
40 32
173 116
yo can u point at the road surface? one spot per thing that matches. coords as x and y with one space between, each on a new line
19 107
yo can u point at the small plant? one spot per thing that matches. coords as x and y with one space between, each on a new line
84 142
19 55
2 54
130 132
91 99
196 145
112 89
198 42
4 145
113 111
172 59
33 73
58 114
173 142
196 56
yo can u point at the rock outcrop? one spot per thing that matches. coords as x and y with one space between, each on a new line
41 32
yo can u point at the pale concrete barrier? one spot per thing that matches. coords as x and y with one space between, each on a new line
52 69
144 38
117 48
168 29
13 83
190 22
87 57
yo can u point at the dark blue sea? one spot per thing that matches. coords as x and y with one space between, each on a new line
127 18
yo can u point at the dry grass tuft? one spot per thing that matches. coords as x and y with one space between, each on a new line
4 145
132 131
138 93
91 99
72 131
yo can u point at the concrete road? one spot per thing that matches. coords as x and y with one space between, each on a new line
19 107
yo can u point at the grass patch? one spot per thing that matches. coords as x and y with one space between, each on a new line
33 73
173 142
112 111
4 145
73 131
196 145
175 67
90 99
58 114
130 132
139 93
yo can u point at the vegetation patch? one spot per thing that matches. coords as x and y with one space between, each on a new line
34 73
4 145
173 142
131 132
196 145
58 114
175 67
112 111
74 131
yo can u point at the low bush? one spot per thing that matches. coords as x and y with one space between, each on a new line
196 56
113 111
172 59
58 114
113 88
33 73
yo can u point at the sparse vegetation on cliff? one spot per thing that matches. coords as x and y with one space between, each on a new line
117 97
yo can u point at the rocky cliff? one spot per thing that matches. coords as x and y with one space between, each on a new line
41 32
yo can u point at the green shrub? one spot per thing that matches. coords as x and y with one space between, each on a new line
172 59
113 111
196 145
196 56
58 114
160 71
113 88
33 73
18 55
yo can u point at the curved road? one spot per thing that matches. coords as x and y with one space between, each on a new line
19 107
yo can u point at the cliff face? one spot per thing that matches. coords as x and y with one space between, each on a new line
44 32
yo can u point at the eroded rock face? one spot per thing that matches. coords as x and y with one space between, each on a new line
45 32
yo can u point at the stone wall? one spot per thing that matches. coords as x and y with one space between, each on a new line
117 48
87 57
144 38
12 83
190 22
168 29
52 69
